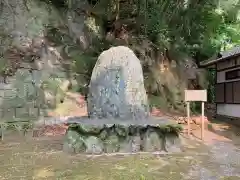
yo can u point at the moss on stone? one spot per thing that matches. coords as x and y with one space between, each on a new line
119 138
74 142
170 128
111 143
152 141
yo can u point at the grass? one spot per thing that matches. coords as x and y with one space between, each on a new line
24 160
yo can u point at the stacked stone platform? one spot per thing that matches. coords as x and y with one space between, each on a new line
99 136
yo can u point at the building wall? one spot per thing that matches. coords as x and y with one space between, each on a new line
225 108
232 110
221 76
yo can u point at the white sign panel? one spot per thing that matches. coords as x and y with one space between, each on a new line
195 95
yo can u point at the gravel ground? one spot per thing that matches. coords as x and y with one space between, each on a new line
221 162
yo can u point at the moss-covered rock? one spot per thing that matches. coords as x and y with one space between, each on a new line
172 143
73 142
152 141
111 144
111 138
94 145
135 143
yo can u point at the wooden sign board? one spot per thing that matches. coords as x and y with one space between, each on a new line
195 95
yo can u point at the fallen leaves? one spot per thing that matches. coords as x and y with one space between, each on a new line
50 130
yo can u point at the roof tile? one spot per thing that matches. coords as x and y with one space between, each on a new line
233 51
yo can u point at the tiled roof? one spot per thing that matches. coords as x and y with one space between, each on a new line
231 52
225 54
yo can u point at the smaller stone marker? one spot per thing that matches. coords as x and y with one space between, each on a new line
195 95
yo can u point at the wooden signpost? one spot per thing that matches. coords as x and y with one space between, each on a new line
195 95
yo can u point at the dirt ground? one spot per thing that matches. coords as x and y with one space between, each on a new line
41 158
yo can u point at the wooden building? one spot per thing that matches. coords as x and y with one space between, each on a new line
227 88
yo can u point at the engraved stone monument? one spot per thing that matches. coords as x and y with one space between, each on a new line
117 87
118 111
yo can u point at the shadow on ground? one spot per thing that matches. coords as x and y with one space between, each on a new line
222 130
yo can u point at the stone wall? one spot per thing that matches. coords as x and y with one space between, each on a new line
28 96
36 86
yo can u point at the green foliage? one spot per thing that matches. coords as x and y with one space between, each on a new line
21 126
211 86
2 64
5 42
192 27
188 29
195 107
195 28
170 129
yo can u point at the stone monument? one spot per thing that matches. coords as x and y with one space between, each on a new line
118 111
117 87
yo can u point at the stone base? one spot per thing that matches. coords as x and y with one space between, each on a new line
111 136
